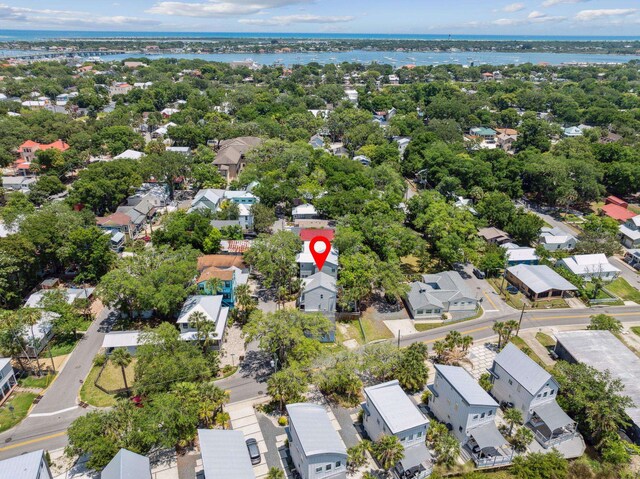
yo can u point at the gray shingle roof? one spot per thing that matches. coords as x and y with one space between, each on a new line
522 368
127 465
320 280
465 385
224 454
540 278
437 289
395 407
314 429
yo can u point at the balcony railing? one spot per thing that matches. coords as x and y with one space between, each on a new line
550 442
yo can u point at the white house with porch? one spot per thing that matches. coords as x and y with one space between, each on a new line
459 401
212 310
521 383
7 379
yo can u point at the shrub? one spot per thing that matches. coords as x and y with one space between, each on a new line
425 396
283 421
100 360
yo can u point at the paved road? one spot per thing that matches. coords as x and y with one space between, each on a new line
46 424
555 223
492 303
48 432
626 271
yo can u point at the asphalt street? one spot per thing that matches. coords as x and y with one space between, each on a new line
48 432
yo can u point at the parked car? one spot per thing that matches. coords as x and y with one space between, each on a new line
512 289
479 274
254 451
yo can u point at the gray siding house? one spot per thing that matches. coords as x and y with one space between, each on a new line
554 239
459 401
308 264
7 379
440 293
389 411
316 449
319 294
521 382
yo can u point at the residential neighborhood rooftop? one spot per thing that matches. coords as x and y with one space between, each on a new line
395 407
522 368
465 385
314 429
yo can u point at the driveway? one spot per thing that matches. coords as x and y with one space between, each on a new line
626 271
243 418
492 303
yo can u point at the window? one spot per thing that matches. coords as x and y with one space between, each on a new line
327 467
552 391
419 433
481 415
322 296
319 469
510 382
545 394
475 416
489 413
338 463
460 428
539 395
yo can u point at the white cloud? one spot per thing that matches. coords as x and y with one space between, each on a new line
514 7
551 3
533 18
588 15
290 19
49 17
220 8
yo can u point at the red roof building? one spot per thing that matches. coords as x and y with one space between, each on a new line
29 148
308 234
614 200
617 212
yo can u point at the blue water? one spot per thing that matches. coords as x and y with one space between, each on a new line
397 59
34 35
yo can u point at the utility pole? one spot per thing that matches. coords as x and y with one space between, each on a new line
520 320
398 339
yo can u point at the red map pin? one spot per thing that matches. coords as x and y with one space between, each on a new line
320 254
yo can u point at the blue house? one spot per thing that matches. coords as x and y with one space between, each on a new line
520 254
228 271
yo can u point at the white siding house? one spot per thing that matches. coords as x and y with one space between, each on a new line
319 293
524 385
458 400
589 266
389 411
440 293
212 309
7 379
30 465
304 212
316 449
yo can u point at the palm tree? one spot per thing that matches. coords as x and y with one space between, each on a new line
522 439
357 455
447 448
222 419
275 473
388 451
122 357
211 398
244 302
498 328
439 349
30 317
466 342
214 285
513 416
205 329
510 327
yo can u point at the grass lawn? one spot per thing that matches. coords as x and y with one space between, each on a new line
519 342
427 326
601 294
621 288
21 403
546 340
110 379
36 382
63 345
636 330
375 330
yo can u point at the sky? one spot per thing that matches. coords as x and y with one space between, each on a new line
523 17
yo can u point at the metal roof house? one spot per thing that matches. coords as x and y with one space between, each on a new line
224 454
121 339
304 212
519 380
630 232
440 293
603 351
538 282
589 266
212 309
31 465
7 379
555 239
520 254
127 465
316 449
389 411
460 402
